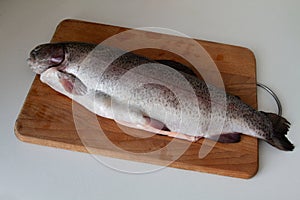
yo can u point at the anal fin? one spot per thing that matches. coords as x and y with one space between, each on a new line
227 137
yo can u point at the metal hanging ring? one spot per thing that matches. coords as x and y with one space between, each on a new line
273 95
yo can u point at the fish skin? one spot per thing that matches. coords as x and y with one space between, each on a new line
100 72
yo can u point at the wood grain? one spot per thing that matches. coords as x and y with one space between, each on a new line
47 117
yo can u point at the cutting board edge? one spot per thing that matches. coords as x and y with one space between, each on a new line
46 142
107 153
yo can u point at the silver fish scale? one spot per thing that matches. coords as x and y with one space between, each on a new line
159 92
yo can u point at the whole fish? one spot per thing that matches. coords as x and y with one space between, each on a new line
139 93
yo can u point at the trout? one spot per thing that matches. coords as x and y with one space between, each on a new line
139 92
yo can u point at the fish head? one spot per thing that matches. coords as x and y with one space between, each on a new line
45 56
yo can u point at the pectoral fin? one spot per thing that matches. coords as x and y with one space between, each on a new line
72 84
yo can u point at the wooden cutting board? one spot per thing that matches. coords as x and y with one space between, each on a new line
47 117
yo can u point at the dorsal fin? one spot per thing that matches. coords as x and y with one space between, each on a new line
177 66
181 68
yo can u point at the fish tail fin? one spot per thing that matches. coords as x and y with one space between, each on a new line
280 128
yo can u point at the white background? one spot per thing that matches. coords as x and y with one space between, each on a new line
271 28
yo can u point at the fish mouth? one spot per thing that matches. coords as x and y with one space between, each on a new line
36 68
32 64
29 61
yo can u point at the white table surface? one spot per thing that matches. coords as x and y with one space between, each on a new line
270 28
